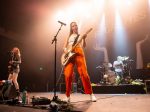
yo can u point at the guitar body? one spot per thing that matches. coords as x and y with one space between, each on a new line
66 57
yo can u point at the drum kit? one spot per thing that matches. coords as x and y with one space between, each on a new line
108 75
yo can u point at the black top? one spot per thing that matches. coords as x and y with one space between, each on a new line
16 61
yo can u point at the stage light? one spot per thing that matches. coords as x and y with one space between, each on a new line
117 3
41 68
120 42
129 2
122 4
98 4
102 30
60 15
76 11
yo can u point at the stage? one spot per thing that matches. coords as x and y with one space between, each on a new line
82 103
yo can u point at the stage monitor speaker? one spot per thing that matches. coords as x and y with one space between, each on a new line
147 86
7 91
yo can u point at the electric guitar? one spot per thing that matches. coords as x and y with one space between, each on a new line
69 54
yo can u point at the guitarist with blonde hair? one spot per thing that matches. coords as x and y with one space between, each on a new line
74 55
14 68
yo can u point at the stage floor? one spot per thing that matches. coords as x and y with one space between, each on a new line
82 103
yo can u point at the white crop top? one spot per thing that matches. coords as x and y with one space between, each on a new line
72 39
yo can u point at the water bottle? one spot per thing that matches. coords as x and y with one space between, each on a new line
24 97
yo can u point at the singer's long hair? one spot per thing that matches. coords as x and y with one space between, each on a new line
16 51
71 31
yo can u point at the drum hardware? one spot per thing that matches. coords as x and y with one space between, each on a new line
111 78
102 71
126 69
123 58
108 76
99 66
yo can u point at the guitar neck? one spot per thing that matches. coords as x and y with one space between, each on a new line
81 39
77 44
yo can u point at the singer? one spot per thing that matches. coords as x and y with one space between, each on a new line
14 68
79 61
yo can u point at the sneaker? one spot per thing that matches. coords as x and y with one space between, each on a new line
66 99
93 98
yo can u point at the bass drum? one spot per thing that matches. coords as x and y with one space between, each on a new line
111 77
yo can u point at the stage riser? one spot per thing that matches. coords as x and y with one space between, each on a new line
123 89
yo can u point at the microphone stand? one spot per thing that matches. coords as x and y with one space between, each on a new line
55 98
56 104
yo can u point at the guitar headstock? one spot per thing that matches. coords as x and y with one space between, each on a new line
88 31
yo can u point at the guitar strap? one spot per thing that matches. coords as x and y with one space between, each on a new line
76 39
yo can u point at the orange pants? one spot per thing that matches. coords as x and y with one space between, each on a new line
79 61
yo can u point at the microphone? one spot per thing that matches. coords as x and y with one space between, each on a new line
62 23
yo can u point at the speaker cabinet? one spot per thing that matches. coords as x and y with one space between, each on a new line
7 91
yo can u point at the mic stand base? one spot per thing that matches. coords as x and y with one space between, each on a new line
59 105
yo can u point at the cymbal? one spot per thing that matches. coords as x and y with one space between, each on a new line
99 66
125 57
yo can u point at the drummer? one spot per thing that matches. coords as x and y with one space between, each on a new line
118 68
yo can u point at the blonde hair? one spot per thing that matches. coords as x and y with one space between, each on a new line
71 31
16 51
